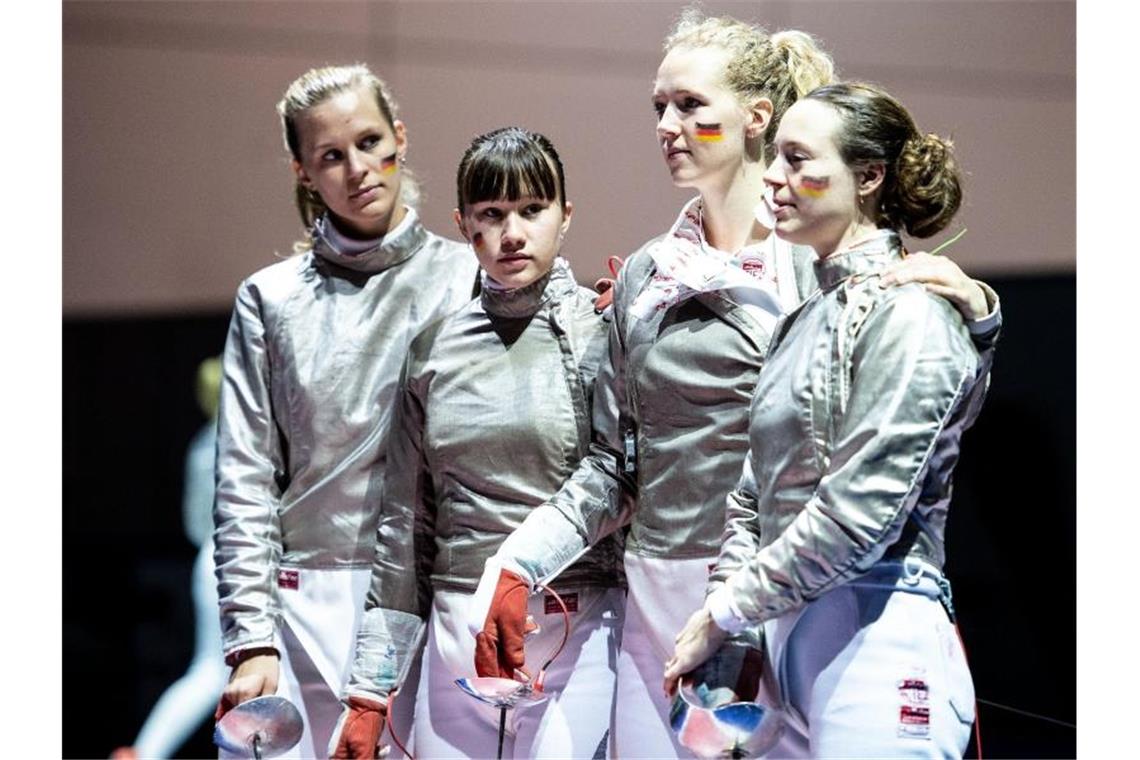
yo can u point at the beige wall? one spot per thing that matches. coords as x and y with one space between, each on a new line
176 184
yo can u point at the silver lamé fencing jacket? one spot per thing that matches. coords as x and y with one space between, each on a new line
854 433
671 415
493 416
311 364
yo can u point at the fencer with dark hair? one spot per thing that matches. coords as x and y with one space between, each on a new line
492 417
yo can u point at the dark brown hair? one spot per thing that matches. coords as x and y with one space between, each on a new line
922 188
510 163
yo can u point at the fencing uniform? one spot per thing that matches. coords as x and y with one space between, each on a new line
670 424
835 535
493 416
311 364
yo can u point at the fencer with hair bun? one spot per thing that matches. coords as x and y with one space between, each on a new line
835 535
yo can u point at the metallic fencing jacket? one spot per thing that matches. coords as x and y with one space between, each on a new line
493 416
311 364
670 415
670 420
854 434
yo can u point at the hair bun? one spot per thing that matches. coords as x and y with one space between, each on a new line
793 40
929 190
929 149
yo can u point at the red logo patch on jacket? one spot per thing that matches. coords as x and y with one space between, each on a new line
551 606
914 722
289 579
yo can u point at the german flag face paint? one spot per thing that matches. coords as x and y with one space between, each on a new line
708 133
814 187
388 165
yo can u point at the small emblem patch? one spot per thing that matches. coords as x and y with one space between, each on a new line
290 579
754 266
914 722
914 691
551 604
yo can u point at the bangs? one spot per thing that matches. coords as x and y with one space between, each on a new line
507 170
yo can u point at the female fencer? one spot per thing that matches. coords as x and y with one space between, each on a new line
311 364
835 534
492 418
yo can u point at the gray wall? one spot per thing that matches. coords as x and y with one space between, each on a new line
176 184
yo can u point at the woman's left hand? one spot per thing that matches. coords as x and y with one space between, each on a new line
697 641
943 277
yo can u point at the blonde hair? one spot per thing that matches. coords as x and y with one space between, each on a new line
782 67
311 89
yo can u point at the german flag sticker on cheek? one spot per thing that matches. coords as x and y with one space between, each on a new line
814 187
388 165
709 132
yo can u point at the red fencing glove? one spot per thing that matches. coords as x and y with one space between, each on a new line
358 730
499 646
605 288
605 285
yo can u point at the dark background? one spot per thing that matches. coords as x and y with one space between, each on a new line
129 413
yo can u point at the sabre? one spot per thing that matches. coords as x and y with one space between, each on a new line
507 693
714 712
260 728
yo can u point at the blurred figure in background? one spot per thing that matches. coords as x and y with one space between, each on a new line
187 701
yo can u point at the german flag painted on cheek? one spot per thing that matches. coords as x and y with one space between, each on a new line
709 132
388 165
814 187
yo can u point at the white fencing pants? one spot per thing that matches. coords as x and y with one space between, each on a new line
873 669
663 594
580 683
319 622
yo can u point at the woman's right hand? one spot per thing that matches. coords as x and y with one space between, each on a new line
252 677
697 641
500 641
